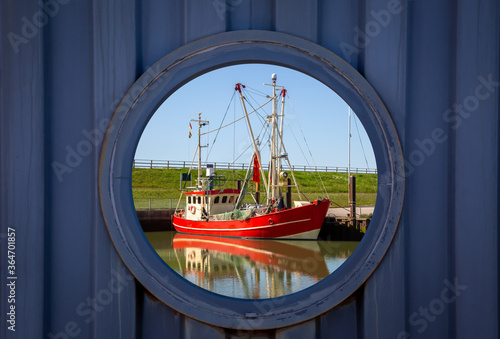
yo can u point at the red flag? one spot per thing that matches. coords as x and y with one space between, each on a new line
256 167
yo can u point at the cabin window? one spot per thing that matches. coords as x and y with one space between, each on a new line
216 200
231 200
224 199
199 200
189 200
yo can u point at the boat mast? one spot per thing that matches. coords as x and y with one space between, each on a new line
281 150
256 152
201 123
275 158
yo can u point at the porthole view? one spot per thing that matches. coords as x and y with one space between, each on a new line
254 181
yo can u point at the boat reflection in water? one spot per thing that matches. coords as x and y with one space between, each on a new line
250 268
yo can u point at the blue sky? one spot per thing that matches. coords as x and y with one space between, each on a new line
317 110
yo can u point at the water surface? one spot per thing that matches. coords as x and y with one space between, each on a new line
250 268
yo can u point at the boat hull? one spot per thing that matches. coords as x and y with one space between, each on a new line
302 222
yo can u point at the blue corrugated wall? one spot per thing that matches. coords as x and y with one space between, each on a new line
435 65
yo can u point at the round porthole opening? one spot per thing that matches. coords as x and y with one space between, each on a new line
197 152
160 83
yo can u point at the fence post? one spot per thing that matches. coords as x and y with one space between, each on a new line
168 164
149 203
151 165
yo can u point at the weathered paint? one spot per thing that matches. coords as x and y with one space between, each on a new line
70 75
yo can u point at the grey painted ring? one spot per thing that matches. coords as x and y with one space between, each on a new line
181 66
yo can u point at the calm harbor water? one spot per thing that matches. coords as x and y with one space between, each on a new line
250 268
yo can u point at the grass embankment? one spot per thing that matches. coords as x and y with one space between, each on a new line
162 186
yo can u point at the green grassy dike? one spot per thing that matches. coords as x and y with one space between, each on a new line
160 185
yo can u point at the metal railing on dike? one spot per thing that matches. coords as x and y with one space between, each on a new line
142 163
157 203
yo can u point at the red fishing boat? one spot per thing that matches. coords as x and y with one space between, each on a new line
221 212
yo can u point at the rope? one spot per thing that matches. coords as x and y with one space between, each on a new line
323 189
227 109
364 154
309 149
257 91
214 130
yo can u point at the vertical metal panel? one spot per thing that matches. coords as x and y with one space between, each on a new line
22 187
342 321
385 62
114 70
203 18
160 29
237 14
476 180
302 330
298 18
262 14
68 107
156 319
194 329
430 81
337 28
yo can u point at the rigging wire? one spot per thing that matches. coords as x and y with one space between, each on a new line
234 129
246 149
308 148
229 124
263 120
363 149
322 187
227 109
257 91
248 94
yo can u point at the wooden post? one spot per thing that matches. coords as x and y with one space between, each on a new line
257 192
288 193
352 199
